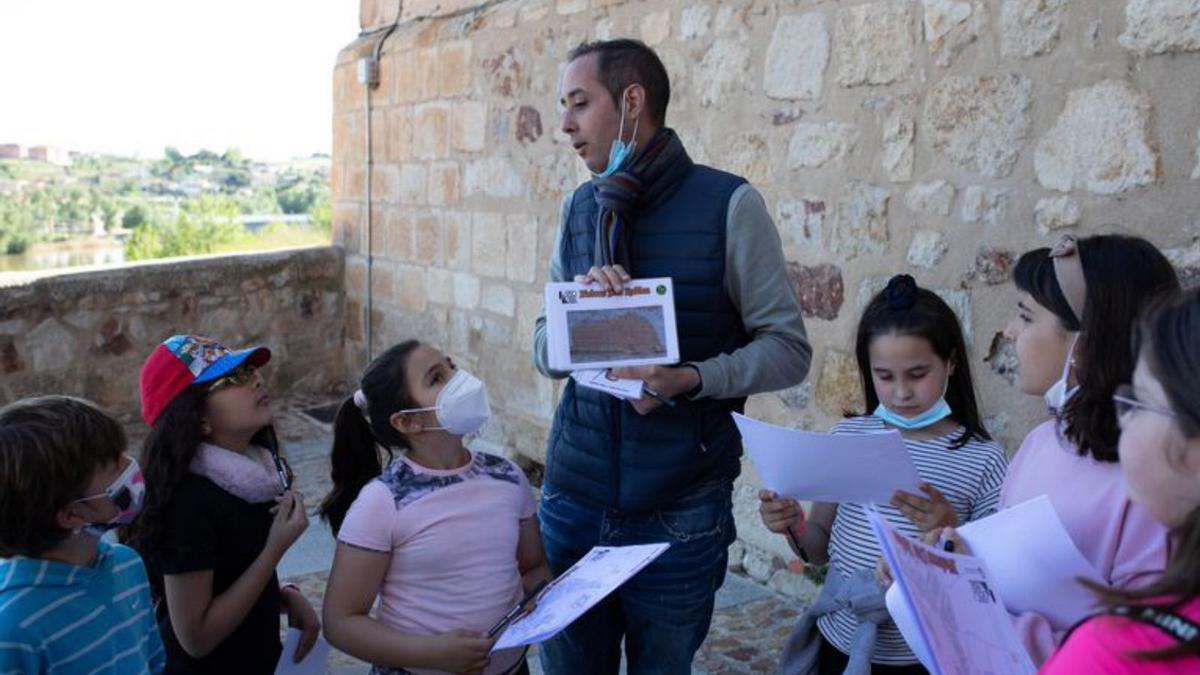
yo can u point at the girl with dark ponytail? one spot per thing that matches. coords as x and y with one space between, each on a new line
444 536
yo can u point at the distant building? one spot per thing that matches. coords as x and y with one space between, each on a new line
49 154
11 151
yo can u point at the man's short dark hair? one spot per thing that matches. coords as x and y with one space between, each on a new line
50 448
620 63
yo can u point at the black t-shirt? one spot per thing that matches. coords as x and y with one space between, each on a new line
209 529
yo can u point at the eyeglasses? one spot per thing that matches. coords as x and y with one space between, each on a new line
1126 401
120 496
243 374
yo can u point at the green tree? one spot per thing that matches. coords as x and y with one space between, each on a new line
202 225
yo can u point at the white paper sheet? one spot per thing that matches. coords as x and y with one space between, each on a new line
588 328
313 664
626 390
805 465
1034 562
960 621
577 590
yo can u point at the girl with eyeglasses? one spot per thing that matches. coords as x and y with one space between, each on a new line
219 512
1155 629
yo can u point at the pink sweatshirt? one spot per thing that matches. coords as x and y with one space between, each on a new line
1103 645
1126 546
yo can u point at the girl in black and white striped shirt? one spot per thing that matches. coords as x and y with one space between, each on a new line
912 359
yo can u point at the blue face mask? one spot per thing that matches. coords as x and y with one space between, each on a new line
936 413
620 151
939 411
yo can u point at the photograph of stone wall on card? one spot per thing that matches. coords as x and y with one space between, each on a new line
593 328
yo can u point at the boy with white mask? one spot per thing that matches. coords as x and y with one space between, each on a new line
1076 313
445 537
69 600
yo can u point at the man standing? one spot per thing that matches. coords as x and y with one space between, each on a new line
621 473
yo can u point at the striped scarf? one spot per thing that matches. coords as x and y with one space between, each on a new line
649 179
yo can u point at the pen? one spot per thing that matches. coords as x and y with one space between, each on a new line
283 478
516 611
796 543
658 397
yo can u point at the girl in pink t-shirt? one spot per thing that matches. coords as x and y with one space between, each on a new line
1072 332
445 537
1155 629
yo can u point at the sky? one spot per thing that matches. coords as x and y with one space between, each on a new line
131 77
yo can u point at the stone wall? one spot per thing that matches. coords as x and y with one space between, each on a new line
86 334
940 137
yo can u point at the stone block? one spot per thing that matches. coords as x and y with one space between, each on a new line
839 388
1100 142
454 68
428 239
522 261
979 123
899 130
431 131
1030 27
444 184
723 71
874 43
984 205
814 145
1161 26
488 245
1056 213
796 57
499 299
935 198
861 226
801 222
927 249
819 289
469 125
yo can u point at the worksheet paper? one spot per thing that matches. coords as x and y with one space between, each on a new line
1033 563
962 627
863 468
591 328
626 390
314 662
577 590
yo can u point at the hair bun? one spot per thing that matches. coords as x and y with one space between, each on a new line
901 292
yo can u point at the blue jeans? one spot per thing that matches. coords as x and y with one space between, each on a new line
663 612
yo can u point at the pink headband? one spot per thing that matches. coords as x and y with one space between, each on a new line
1068 270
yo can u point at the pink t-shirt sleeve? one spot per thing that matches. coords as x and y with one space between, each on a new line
1141 551
528 508
1039 638
371 519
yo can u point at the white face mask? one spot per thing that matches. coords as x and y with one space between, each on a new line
1060 392
462 405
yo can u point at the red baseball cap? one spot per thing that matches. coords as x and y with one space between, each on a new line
183 360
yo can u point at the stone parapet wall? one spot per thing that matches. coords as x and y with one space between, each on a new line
86 334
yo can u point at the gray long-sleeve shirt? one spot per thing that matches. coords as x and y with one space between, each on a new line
778 355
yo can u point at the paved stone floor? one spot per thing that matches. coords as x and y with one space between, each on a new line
749 626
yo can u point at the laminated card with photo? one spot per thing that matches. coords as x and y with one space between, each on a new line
591 328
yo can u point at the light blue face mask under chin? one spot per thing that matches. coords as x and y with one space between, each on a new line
938 412
620 151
